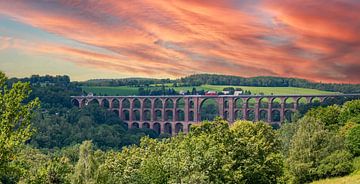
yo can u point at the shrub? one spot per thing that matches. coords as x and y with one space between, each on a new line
352 140
336 164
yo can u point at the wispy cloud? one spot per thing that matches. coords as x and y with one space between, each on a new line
317 40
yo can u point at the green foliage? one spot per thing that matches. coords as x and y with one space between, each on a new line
15 118
86 166
315 147
336 164
94 123
327 115
352 140
211 153
350 112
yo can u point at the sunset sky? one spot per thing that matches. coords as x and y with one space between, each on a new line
316 40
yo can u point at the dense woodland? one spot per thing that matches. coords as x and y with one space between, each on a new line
57 143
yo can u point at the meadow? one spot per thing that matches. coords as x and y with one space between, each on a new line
127 90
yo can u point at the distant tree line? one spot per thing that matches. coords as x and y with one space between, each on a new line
134 82
212 79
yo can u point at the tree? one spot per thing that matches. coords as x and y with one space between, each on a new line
15 116
312 150
86 166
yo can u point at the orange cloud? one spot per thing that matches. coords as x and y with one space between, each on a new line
313 40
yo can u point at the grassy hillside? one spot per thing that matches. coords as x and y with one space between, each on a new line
352 179
126 90
102 90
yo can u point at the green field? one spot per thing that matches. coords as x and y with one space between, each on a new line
126 90
105 90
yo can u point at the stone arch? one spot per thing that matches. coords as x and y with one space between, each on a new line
146 125
126 125
116 112
276 103
226 104
315 100
136 103
168 115
158 115
147 115
238 115
301 102
275 116
180 115
263 115
83 102
191 115
239 102
251 102
93 101
226 115
126 115
157 127
125 103
179 127
180 103
135 125
136 115
158 103
289 114
115 103
250 115
209 109
191 104
147 103
75 102
168 128
264 103
105 103
169 103
289 103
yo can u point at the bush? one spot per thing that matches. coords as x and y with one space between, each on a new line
352 140
336 164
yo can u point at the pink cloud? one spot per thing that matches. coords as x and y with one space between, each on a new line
313 40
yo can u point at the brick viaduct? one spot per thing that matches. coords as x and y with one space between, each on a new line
172 114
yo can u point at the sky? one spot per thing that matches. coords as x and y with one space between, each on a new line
86 39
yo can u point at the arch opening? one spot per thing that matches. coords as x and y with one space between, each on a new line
168 115
264 103
250 116
147 103
115 103
167 128
263 115
157 128
239 103
147 115
136 104
146 125
179 127
239 115
275 116
209 109
158 103
180 115
158 115
125 103
169 103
